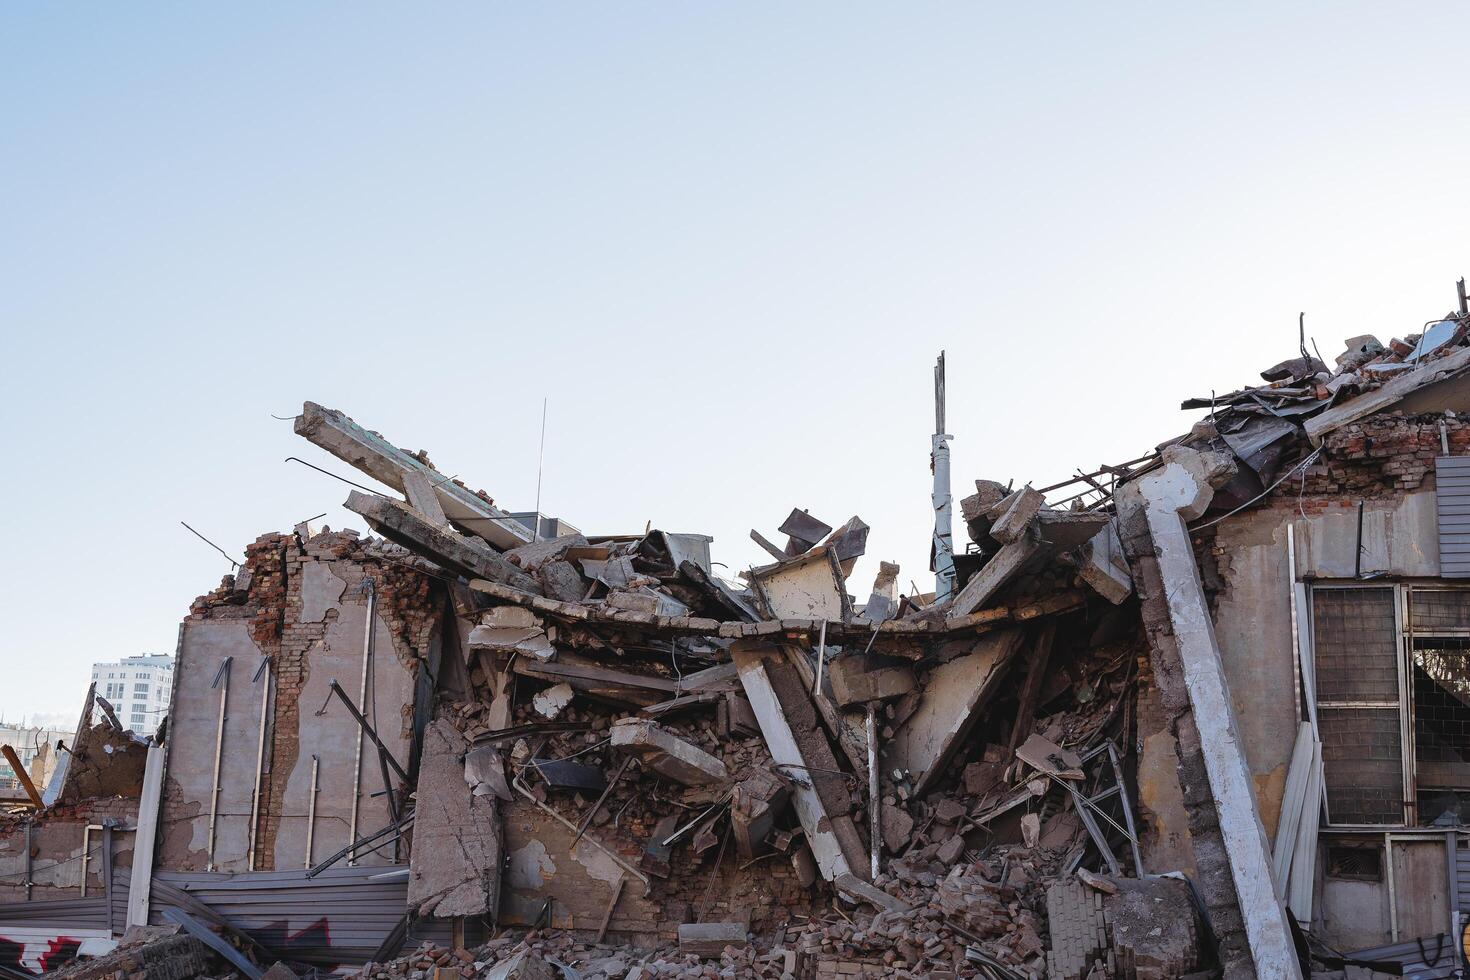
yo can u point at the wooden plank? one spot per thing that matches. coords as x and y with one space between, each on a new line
145 838
1031 690
23 777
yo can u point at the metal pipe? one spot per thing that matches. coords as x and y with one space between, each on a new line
367 661
86 851
28 859
265 700
944 574
875 803
385 756
311 810
219 745
821 657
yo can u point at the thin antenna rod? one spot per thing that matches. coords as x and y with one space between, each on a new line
540 457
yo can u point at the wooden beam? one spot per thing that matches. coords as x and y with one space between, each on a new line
1031 690
21 775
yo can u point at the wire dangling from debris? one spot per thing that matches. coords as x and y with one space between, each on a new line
1280 480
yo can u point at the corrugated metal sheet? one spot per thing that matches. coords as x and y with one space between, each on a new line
1452 495
1421 959
70 913
337 918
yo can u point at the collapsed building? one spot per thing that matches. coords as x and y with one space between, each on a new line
1203 713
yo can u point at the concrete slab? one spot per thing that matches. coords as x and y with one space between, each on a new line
666 754
455 866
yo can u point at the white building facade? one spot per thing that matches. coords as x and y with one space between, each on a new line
138 689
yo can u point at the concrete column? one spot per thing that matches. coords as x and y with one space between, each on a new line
1178 492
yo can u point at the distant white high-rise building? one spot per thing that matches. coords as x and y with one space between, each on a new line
138 689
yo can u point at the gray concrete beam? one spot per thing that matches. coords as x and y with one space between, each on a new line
380 459
1178 492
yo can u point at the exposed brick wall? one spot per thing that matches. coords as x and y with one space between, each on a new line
267 591
1379 457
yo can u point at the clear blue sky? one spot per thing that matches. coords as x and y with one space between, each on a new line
726 241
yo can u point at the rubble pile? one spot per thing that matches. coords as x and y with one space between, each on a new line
621 762
920 762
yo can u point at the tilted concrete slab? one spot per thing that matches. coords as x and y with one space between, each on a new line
455 868
389 465
800 751
954 697
999 570
459 553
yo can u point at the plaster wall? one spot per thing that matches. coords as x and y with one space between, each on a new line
193 727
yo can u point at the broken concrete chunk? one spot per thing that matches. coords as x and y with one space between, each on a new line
755 803
526 965
709 939
858 890
484 771
656 853
883 602
553 701
512 629
993 575
1016 513
388 464
951 850
1103 566
531 557
455 866
898 827
1068 529
666 754
561 580
634 602
853 683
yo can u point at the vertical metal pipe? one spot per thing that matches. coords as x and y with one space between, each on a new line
86 846
875 802
265 700
367 666
311 811
943 516
28 859
107 870
821 658
219 745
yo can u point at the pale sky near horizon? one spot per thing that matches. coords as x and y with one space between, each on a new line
725 241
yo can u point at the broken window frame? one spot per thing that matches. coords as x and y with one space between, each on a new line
1404 635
